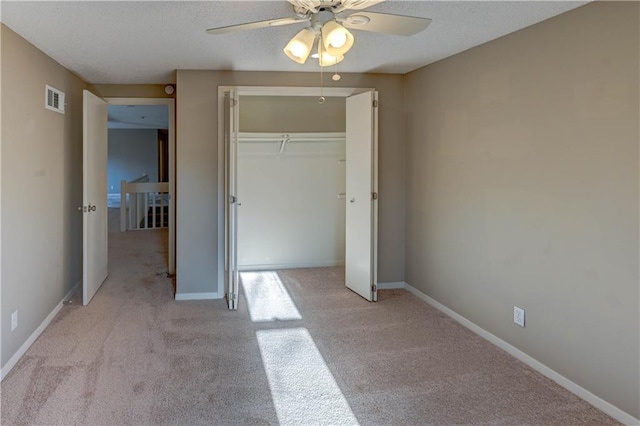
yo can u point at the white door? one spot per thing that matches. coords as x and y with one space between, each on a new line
361 238
231 198
94 195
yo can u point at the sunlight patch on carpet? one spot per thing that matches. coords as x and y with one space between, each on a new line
267 299
303 389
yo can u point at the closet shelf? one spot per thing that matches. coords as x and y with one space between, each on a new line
291 137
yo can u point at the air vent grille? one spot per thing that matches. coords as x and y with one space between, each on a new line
54 99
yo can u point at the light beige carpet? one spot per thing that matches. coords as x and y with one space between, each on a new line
314 353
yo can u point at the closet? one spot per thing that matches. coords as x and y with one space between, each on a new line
291 174
292 212
298 183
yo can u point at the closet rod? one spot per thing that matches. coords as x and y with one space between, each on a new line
290 137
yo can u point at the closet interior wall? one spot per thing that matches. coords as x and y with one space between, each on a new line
291 182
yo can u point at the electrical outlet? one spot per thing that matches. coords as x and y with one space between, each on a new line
14 320
518 316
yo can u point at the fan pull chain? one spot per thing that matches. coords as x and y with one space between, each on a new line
321 99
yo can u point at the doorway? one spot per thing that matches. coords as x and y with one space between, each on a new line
154 109
95 187
360 196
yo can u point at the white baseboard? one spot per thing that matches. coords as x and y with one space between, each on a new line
38 331
76 288
572 387
273 267
197 296
392 286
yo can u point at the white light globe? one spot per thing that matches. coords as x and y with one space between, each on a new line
298 49
338 39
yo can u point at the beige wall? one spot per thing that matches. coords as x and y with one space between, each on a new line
292 114
522 189
41 187
197 174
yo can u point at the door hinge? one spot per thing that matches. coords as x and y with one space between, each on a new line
375 103
232 199
374 195
232 296
374 288
232 102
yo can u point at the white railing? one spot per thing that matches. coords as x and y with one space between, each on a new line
147 206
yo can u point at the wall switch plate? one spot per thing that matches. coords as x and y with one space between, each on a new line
518 316
14 320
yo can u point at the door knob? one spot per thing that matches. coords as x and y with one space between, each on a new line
353 200
92 208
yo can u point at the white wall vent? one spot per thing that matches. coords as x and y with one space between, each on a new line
54 99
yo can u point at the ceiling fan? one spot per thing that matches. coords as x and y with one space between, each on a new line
328 22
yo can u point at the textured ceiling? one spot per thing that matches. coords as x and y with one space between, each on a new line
130 42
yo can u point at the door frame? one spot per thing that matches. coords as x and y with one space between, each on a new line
342 92
170 103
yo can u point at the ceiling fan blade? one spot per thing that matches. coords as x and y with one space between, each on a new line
358 4
386 23
256 25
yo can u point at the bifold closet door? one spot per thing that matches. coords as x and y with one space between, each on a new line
361 237
231 198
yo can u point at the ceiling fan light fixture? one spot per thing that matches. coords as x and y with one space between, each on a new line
327 60
336 39
299 47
